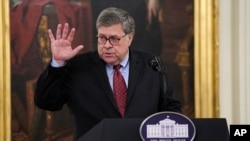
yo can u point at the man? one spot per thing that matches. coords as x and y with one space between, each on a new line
148 36
85 82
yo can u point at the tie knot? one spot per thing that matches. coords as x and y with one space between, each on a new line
117 67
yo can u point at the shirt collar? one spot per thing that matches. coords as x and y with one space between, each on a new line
123 63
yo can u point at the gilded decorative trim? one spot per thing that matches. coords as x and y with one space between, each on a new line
5 105
206 58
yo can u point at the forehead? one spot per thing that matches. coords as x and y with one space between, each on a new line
110 30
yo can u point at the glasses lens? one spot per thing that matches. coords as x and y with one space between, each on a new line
101 39
114 41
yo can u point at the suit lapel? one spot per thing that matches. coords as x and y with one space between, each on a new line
101 75
134 72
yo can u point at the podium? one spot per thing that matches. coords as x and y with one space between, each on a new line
207 129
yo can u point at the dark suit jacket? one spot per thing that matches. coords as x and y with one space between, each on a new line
83 84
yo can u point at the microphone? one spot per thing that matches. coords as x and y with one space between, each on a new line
155 64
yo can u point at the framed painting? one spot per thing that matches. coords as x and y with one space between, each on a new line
177 32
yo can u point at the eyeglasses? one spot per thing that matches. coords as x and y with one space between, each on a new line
112 40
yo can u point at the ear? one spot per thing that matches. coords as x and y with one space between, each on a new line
130 37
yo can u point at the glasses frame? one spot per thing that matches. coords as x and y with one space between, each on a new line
109 39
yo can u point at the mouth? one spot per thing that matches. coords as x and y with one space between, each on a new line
107 54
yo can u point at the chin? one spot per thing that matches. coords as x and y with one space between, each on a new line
108 60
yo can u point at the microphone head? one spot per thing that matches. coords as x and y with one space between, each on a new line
154 65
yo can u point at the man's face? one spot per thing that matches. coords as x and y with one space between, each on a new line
114 50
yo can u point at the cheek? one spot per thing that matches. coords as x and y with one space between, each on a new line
122 51
99 49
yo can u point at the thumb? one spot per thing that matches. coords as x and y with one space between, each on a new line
77 49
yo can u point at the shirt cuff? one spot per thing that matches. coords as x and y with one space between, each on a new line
55 64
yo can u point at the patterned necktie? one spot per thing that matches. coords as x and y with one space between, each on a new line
120 89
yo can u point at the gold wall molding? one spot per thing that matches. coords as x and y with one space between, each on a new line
206 58
5 105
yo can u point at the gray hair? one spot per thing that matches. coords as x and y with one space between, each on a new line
111 16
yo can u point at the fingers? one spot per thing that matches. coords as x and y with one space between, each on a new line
62 33
71 35
58 31
65 31
51 36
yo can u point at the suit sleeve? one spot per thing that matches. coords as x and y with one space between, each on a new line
51 89
168 101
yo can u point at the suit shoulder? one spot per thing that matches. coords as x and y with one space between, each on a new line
85 58
143 55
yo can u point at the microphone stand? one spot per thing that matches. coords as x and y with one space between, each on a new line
158 65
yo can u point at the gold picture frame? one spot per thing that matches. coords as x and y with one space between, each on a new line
206 58
205 54
5 102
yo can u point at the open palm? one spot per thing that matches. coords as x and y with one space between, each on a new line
61 45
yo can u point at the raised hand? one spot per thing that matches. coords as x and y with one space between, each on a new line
61 45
